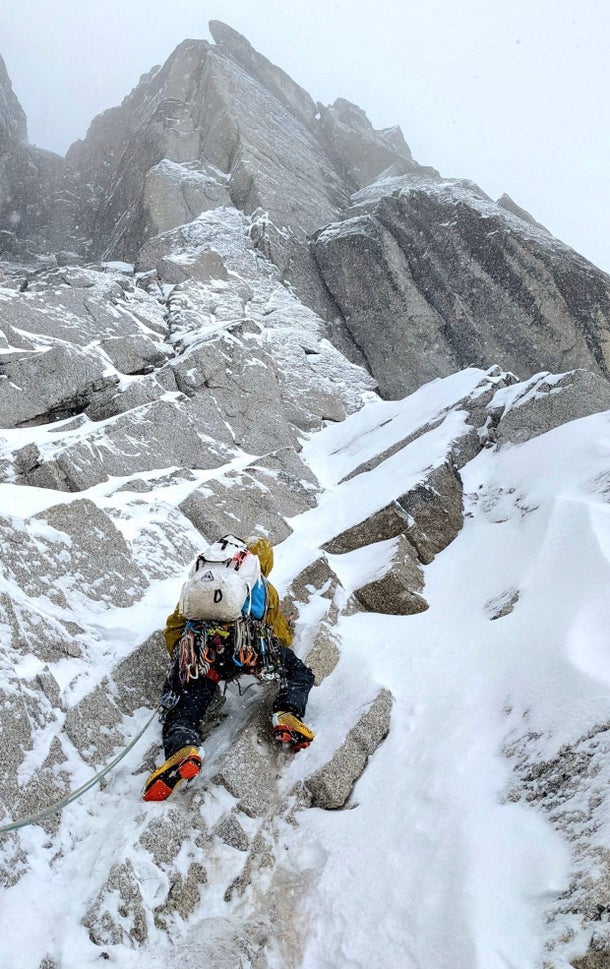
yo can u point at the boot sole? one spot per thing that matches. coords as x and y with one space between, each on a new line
168 780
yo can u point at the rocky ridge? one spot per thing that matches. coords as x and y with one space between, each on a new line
148 405
376 245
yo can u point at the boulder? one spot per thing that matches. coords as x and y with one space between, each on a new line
247 771
157 435
435 509
236 384
386 523
231 832
101 567
95 724
236 504
24 620
135 353
397 592
118 399
547 401
430 515
164 837
292 493
332 784
48 385
78 309
118 916
183 896
67 552
324 655
317 579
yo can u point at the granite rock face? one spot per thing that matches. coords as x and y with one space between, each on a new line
395 267
284 262
376 244
39 193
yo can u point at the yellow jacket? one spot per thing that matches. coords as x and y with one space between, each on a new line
273 617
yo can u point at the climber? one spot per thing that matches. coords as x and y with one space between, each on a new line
227 623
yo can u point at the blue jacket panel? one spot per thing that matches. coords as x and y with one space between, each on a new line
256 602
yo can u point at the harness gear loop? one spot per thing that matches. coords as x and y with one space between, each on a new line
225 651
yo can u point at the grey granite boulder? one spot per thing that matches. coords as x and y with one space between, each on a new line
332 784
435 508
324 654
237 383
247 771
317 579
430 515
91 554
135 353
164 836
183 896
95 725
47 385
546 402
26 624
71 549
156 435
398 591
232 833
118 914
78 307
388 522
238 504
122 397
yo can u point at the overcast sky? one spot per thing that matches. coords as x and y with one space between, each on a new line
512 94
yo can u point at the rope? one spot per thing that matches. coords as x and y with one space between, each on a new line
59 805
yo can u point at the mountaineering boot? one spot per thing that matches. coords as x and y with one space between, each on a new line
181 766
288 729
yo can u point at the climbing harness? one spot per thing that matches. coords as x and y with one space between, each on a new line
59 805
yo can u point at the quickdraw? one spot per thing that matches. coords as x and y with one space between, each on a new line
227 651
188 660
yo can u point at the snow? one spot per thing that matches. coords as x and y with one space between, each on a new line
433 865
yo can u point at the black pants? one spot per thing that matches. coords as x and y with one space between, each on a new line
181 723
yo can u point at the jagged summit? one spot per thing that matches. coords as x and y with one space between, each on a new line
441 270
